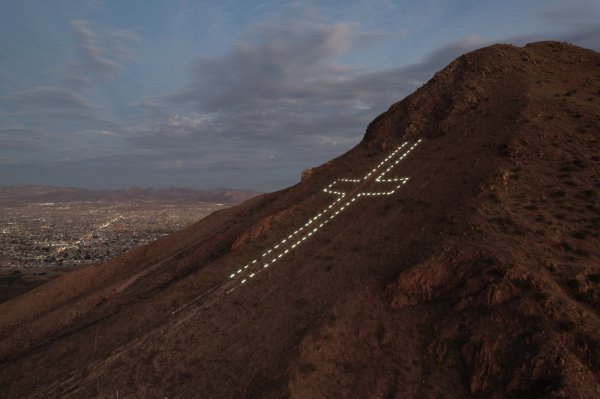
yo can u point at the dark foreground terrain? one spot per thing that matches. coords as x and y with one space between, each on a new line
477 277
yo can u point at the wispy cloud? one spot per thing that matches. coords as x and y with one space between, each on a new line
22 140
575 22
282 96
283 63
51 97
286 82
587 36
575 11
96 4
99 56
42 107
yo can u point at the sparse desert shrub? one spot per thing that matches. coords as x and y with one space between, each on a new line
307 367
565 175
573 283
573 166
327 337
544 385
537 323
494 198
577 251
592 350
540 296
581 234
592 208
586 297
560 216
524 284
301 303
594 224
594 278
589 193
496 272
347 366
581 252
565 325
508 225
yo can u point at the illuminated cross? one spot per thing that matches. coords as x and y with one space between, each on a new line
356 184
345 199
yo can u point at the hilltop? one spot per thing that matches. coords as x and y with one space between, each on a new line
462 260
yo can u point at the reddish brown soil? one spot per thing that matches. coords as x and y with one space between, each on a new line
479 278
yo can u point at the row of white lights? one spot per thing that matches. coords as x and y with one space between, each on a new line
279 250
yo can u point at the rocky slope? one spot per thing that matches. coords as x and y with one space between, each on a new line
478 277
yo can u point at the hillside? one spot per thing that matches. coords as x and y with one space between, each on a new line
453 253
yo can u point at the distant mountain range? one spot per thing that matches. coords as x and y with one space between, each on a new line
15 195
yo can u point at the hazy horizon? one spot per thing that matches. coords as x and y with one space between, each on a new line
133 187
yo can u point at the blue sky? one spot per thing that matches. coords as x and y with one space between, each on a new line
243 94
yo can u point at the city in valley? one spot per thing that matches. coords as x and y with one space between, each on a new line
73 233
40 241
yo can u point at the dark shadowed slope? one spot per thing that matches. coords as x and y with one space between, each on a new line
478 277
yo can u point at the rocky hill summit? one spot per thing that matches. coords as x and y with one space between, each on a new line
453 253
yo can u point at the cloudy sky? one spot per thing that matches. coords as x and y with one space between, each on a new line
234 93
